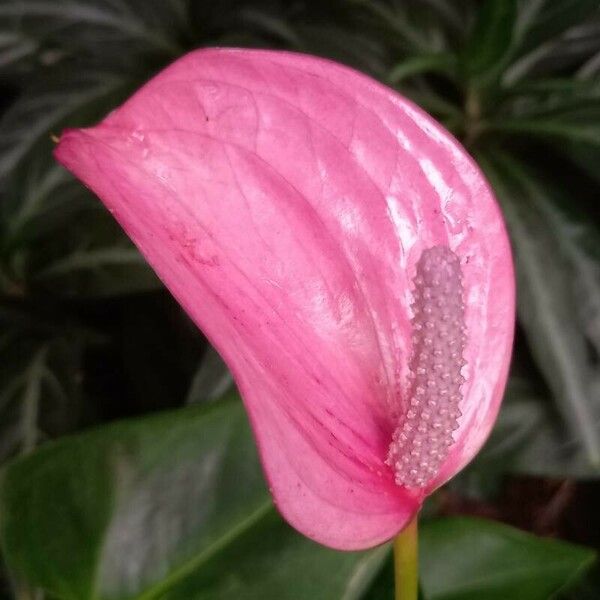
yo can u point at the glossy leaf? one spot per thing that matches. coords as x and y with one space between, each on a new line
273 561
471 559
130 491
170 506
136 503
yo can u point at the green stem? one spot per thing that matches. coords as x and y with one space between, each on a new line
406 562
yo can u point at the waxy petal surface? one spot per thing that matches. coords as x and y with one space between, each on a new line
285 200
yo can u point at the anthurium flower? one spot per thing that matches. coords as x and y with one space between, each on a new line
344 255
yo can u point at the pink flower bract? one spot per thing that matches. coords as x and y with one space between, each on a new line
285 201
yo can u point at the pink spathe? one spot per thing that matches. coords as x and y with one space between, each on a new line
285 201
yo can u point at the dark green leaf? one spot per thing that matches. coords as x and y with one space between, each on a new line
118 511
172 506
272 561
471 559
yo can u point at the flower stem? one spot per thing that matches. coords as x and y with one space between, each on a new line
406 562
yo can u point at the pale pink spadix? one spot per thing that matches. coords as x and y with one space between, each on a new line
423 438
341 251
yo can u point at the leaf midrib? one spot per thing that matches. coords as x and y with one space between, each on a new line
193 563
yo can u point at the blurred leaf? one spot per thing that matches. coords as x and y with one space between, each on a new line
547 97
558 294
530 438
491 41
586 589
171 506
32 392
212 379
565 51
395 19
39 389
47 106
93 259
28 208
351 47
270 25
21 396
471 559
100 271
448 12
15 50
586 156
43 202
576 123
417 65
590 68
553 109
432 102
542 20
556 88
113 32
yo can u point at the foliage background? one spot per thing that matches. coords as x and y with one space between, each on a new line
173 505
